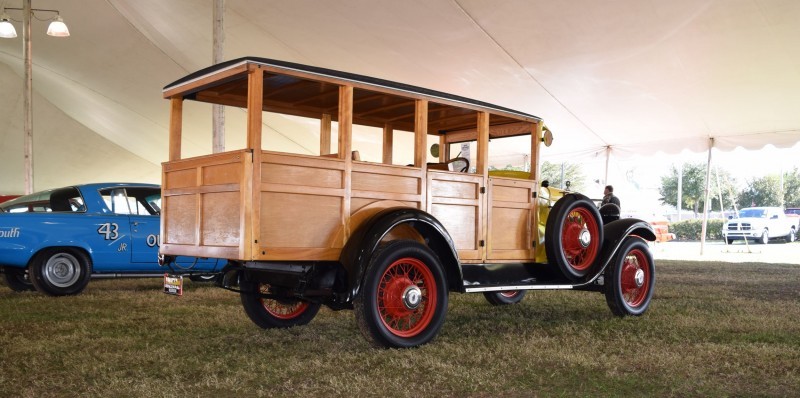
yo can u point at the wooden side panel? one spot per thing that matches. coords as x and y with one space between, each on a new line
302 205
510 219
455 200
202 207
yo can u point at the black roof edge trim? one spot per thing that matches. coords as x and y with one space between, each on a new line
347 76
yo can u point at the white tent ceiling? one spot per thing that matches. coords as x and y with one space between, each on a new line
639 76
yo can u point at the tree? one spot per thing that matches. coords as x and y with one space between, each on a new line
694 185
764 191
791 188
572 173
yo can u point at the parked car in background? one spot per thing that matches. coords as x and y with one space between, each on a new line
56 240
794 214
760 224
5 198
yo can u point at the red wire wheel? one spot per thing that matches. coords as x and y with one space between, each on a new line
268 312
282 309
402 300
573 236
635 280
630 278
504 297
407 297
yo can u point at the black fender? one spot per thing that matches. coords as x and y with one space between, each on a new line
356 254
615 233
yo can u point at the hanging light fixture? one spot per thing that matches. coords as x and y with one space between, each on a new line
58 28
7 30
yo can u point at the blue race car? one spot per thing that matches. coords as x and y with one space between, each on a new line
56 240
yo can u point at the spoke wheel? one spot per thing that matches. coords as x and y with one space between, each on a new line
630 279
403 300
504 298
17 280
270 313
60 272
573 236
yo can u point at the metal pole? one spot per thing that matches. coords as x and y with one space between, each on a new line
680 189
705 203
218 111
608 160
27 93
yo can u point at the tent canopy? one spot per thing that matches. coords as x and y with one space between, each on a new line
636 76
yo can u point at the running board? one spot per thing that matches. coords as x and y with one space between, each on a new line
518 287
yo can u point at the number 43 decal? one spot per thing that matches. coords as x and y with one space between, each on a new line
109 230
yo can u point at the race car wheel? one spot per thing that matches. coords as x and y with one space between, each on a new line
61 271
17 280
764 237
573 236
630 279
403 299
504 298
269 313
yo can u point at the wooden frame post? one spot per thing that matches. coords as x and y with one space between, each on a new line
483 144
388 143
325 134
536 145
175 128
420 133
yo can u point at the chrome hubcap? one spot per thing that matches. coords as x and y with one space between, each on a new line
639 278
412 297
585 238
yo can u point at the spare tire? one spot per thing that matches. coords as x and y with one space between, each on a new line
573 236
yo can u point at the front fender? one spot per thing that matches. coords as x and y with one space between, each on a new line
358 250
615 232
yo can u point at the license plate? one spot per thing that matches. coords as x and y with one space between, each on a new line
173 284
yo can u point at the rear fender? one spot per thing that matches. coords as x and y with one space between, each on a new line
367 238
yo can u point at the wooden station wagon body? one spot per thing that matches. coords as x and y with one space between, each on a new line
392 234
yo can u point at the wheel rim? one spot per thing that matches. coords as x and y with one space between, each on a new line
635 278
579 238
282 309
62 270
510 293
406 297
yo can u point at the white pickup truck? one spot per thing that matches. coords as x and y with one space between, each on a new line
760 224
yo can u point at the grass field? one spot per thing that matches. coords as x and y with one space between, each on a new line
713 329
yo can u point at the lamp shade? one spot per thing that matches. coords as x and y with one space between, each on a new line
58 28
6 28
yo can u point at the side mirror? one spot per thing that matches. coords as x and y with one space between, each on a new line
774 217
730 217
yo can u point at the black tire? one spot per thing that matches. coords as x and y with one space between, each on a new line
505 297
730 241
61 271
403 298
764 237
791 237
573 236
204 278
630 279
270 313
17 280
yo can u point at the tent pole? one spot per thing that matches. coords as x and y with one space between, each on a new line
218 111
705 203
608 160
680 189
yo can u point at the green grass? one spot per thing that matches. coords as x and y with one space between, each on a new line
713 329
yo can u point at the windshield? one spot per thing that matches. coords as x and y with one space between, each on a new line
753 213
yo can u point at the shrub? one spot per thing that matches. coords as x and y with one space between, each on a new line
690 229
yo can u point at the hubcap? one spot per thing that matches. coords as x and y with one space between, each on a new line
585 238
639 278
412 297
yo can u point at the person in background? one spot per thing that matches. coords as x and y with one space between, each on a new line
608 196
